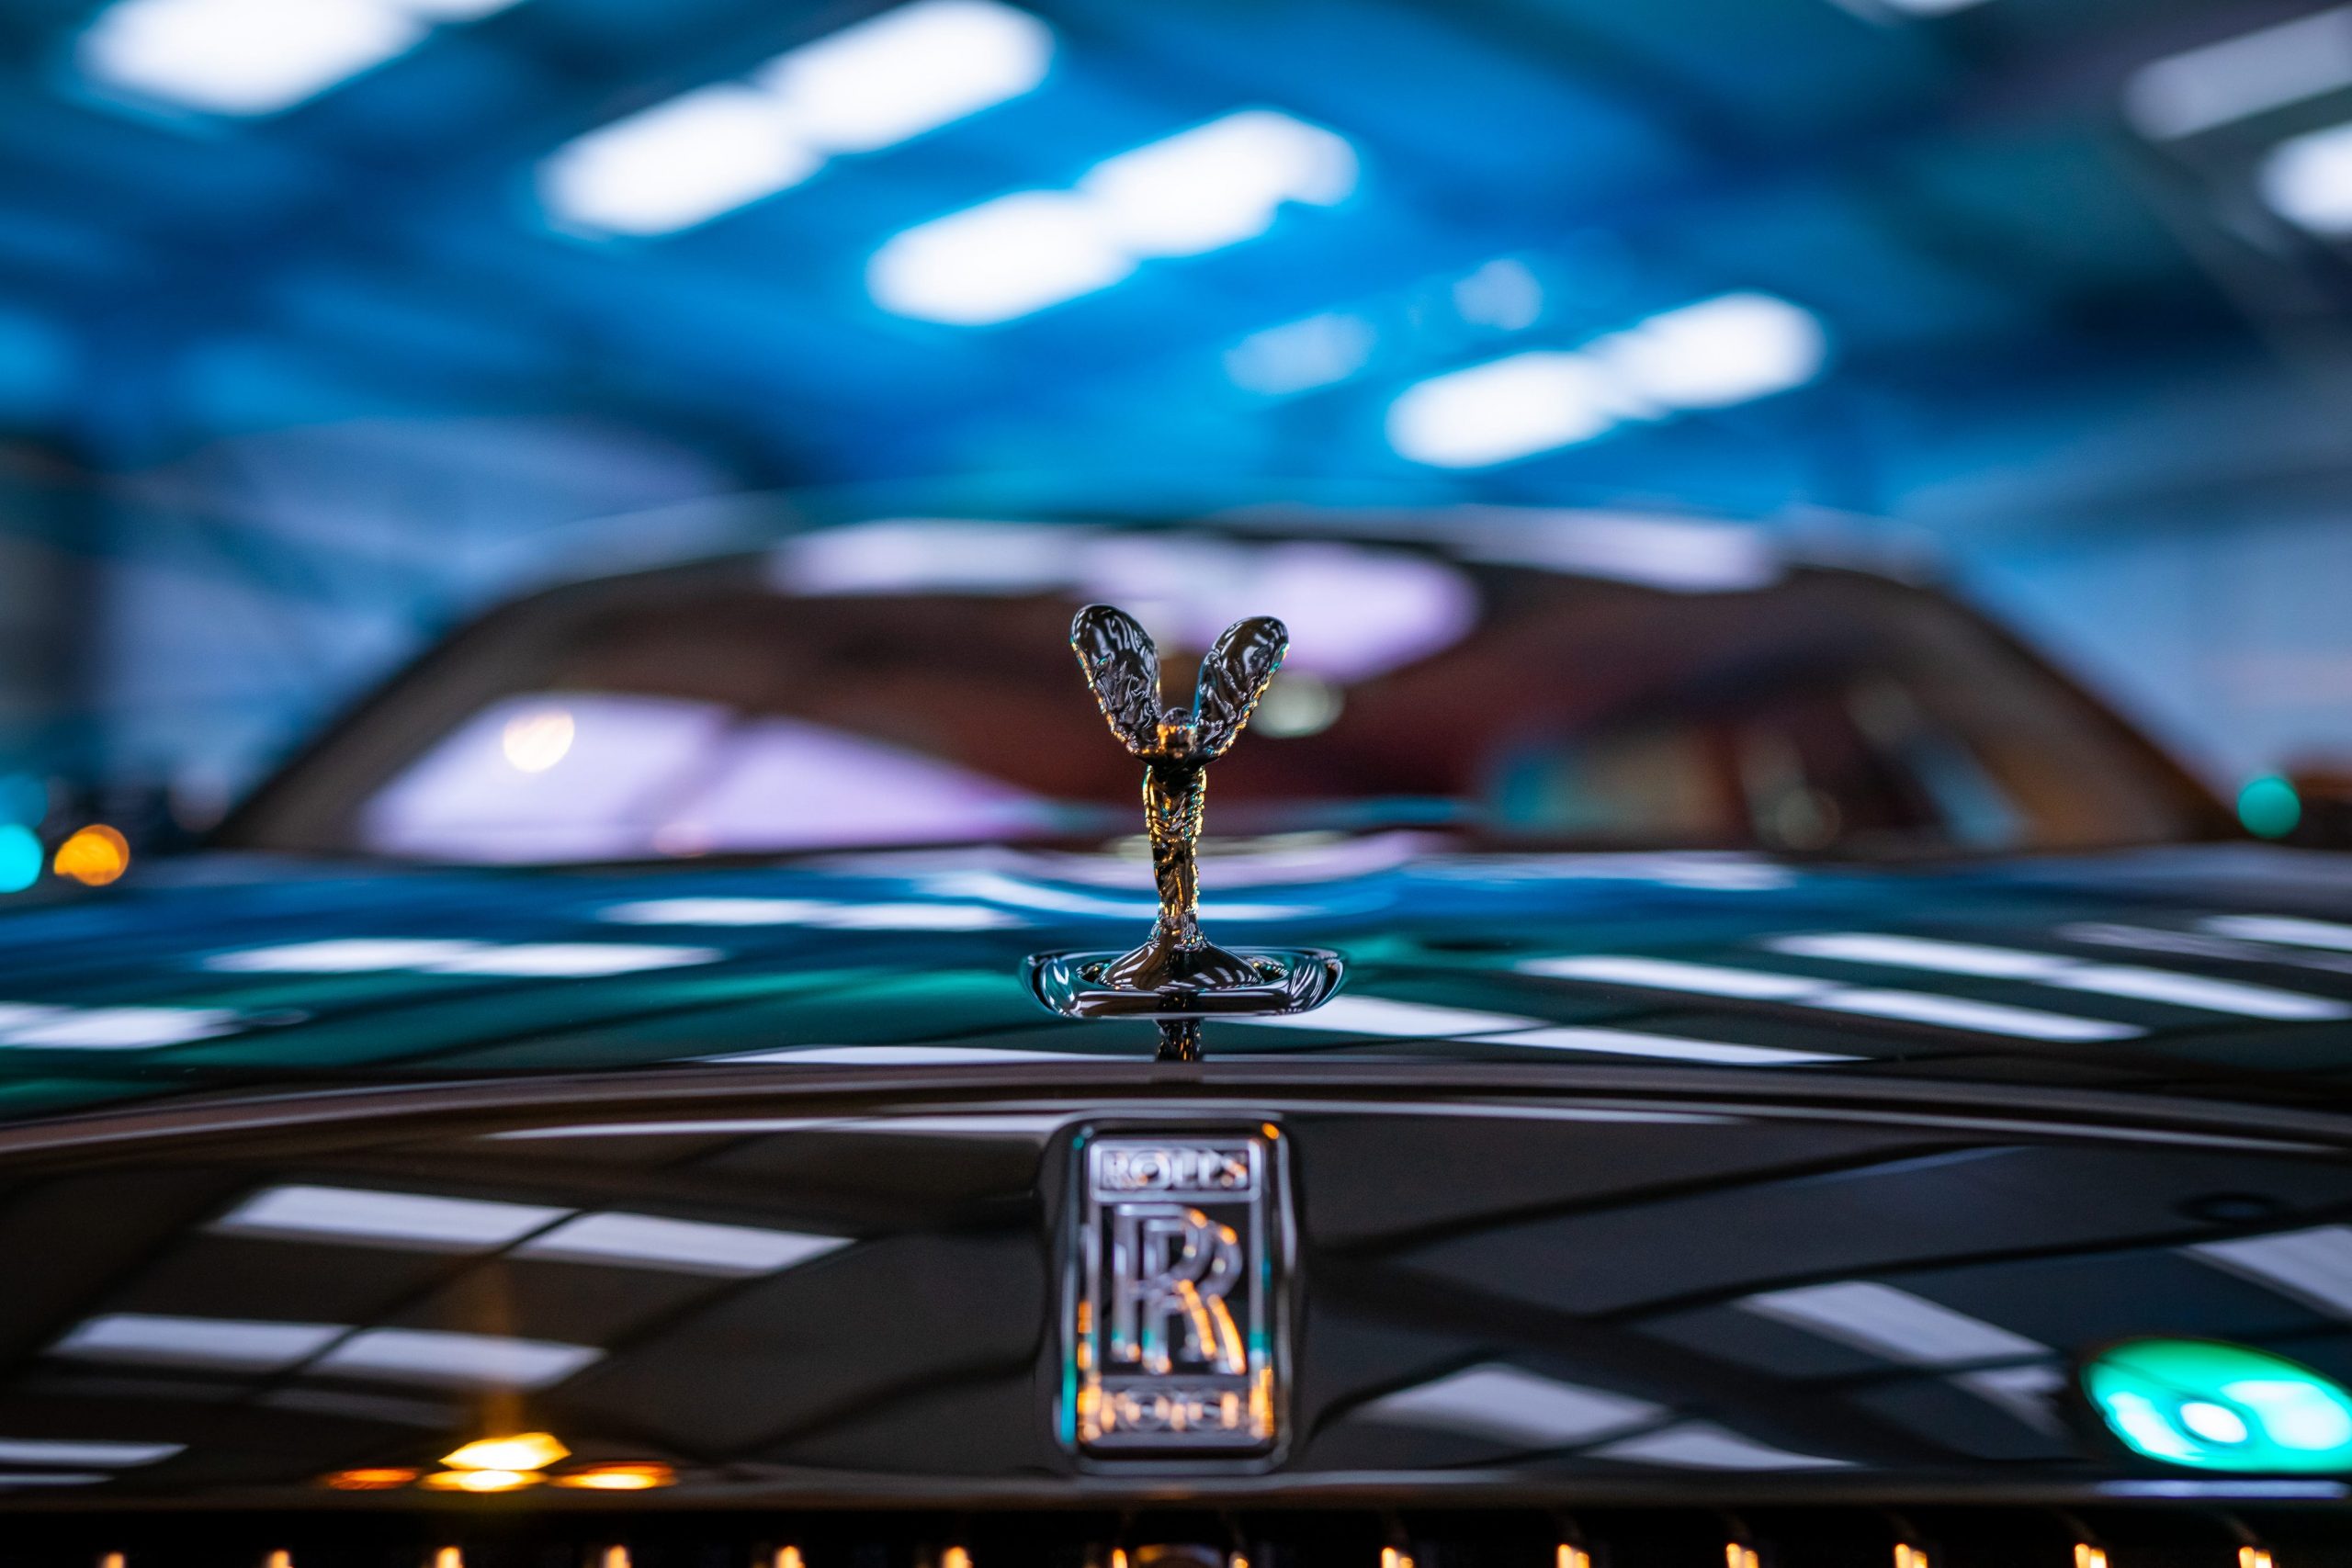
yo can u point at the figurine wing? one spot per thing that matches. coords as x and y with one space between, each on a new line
1233 676
1122 669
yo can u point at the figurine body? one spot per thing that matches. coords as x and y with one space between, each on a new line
1176 746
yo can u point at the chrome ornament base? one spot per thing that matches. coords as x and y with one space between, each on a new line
1281 980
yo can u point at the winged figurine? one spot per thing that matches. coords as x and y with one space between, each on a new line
1176 746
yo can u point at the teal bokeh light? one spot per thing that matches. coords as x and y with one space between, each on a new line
2269 806
2213 1406
20 858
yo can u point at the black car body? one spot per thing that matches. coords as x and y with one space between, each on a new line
1656 1185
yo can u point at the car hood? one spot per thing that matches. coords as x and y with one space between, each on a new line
2219 972
1637 1176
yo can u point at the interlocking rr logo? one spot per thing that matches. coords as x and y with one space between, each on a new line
1172 1263
1173 1323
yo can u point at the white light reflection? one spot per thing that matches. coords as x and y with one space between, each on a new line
2287 930
1753 984
687 1246
45 1027
1700 1445
901 1055
441 1357
537 960
1380 1016
234 1344
412 1219
820 912
2070 974
2184 93
1511 1405
2313 1266
79 1451
1028 1128
1893 1323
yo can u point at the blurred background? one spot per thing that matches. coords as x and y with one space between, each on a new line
325 324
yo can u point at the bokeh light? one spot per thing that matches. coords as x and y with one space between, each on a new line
481 1480
381 1478
535 741
524 1450
2269 807
636 1476
94 856
20 858
2208 1405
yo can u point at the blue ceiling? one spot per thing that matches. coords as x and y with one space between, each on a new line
1953 196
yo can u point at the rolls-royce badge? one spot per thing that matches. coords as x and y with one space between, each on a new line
1173 1317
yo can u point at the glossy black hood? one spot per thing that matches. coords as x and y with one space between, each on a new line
2220 972
1764 1204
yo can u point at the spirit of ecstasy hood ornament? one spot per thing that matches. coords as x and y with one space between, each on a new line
1176 975
1177 747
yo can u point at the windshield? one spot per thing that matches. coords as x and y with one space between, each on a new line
908 683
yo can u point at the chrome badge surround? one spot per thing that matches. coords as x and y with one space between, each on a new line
1175 1331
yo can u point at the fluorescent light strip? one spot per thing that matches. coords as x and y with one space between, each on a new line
454 1359
1891 1323
2069 974
76 1451
872 84
400 1219
2313 1266
2184 93
228 1344
254 57
44 1027
1753 984
1199 190
529 960
1701 1445
904 916
1510 1406
688 1247
2286 930
1712 353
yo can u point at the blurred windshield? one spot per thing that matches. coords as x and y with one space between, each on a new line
908 683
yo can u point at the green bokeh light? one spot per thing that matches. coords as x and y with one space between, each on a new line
20 858
2269 806
2213 1406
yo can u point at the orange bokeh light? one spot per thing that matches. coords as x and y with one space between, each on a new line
382 1479
481 1480
639 1476
94 856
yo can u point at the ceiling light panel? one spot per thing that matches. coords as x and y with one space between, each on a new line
254 57
871 85
1199 190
